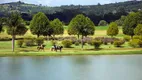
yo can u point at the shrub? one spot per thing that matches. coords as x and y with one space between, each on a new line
29 41
39 41
67 43
106 40
77 43
5 38
134 43
103 23
140 43
127 38
136 37
118 43
20 43
96 43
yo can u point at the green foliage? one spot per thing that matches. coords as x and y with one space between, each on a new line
67 43
127 38
113 29
29 41
57 26
77 43
16 25
134 43
20 30
131 22
40 25
81 25
120 22
103 23
138 30
96 43
20 43
5 38
137 37
118 43
39 41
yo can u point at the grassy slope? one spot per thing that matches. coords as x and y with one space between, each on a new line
5 47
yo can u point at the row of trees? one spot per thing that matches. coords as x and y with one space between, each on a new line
79 25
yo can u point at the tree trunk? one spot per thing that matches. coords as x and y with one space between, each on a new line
131 37
37 35
78 36
82 42
13 42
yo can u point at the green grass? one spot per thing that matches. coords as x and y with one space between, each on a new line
5 50
100 31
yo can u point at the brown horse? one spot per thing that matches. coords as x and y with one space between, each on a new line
40 47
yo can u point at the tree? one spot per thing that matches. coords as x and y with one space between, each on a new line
102 23
57 26
131 22
138 30
112 30
15 27
82 25
1 23
120 21
40 24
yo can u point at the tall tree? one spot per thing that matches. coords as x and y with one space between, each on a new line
39 24
131 22
57 26
82 25
113 29
16 26
1 23
138 30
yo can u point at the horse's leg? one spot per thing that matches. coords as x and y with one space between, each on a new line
43 49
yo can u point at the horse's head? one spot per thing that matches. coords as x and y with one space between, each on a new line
61 46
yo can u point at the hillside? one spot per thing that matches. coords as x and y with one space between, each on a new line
108 12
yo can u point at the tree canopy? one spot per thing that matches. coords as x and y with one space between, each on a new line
57 26
81 25
40 24
131 22
138 30
113 29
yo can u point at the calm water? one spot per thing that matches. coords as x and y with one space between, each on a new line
71 68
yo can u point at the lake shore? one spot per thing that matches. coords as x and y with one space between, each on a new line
73 52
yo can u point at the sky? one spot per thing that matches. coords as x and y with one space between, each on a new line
65 2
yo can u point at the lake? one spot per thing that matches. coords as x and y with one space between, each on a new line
114 67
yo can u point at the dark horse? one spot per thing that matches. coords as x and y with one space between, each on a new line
56 48
41 47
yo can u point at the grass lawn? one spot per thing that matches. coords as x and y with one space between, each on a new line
100 31
5 50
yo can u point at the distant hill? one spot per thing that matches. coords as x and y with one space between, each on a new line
66 12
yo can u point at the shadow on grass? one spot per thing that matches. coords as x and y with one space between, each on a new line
98 49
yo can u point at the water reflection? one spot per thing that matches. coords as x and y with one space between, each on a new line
71 68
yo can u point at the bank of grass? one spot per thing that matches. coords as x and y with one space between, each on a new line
5 47
5 50
73 53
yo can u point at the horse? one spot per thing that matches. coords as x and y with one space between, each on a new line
56 48
40 47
